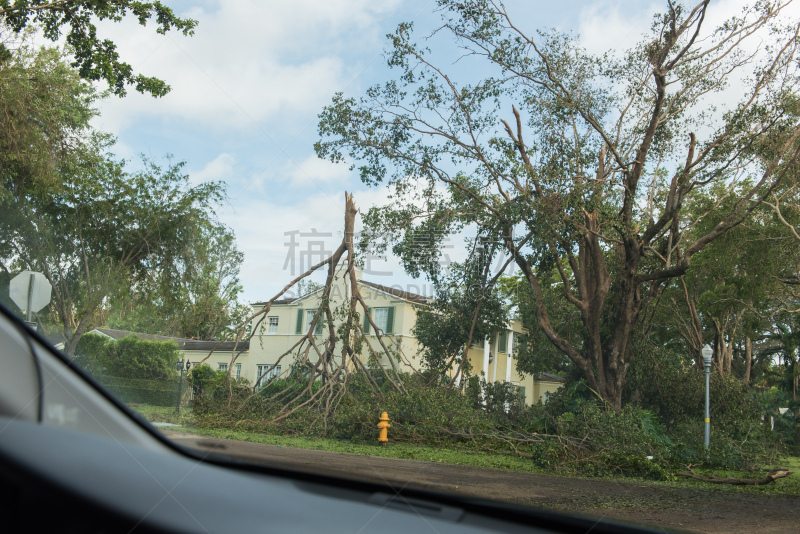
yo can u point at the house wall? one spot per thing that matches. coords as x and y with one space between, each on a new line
196 356
542 389
267 349
496 370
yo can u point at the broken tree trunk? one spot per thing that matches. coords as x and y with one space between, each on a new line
771 477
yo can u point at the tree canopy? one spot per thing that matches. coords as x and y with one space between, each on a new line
45 110
95 228
196 293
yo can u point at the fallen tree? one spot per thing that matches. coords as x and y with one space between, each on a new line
325 360
771 477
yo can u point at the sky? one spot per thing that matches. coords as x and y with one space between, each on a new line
246 92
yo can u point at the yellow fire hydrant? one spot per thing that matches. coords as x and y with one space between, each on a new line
384 427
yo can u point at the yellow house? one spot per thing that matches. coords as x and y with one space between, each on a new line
394 311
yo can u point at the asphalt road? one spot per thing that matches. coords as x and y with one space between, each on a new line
684 508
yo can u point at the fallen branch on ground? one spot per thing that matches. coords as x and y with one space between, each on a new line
771 477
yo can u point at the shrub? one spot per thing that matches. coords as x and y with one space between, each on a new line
142 391
675 392
91 353
132 357
135 370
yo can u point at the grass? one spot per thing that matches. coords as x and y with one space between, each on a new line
165 414
395 450
786 486
187 423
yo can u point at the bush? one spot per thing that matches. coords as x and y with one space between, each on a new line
135 370
132 357
142 391
91 353
675 392
592 441
205 379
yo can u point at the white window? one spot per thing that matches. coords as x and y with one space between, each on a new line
381 317
267 373
223 366
238 370
310 317
273 325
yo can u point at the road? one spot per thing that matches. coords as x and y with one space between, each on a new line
712 510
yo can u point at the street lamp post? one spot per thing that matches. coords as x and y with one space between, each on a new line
707 353
179 368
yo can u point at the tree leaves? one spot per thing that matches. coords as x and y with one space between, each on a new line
96 58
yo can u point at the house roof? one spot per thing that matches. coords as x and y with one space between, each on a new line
278 301
183 343
413 297
119 334
547 377
217 346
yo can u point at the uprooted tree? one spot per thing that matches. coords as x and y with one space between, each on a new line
334 344
587 181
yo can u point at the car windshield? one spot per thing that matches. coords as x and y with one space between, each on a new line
546 254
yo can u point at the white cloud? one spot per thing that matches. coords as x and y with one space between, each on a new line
218 169
315 170
606 26
248 61
261 229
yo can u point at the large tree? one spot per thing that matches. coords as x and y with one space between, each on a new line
45 109
193 295
579 164
102 231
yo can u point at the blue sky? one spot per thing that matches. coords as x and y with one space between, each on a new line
247 89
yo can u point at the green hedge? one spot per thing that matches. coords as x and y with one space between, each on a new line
142 391
129 357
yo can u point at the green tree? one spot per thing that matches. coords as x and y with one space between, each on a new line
464 312
101 232
589 177
95 58
45 109
194 296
